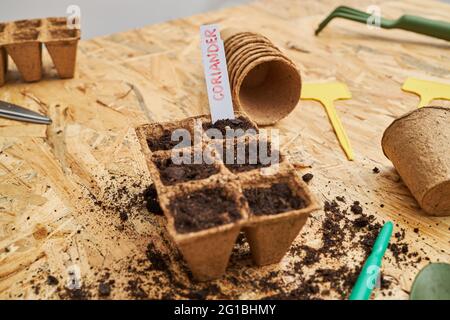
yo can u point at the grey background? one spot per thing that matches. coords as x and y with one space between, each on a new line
100 17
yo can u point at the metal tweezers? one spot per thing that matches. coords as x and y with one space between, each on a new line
15 112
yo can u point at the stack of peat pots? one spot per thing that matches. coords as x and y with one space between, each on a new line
23 39
265 83
209 203
418 144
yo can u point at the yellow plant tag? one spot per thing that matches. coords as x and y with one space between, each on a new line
326 94
427 90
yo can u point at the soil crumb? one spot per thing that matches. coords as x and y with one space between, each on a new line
152 201
356 208
104 289
307 177
52 280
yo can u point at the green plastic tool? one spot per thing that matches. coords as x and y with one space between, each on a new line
432 283
370 272
433 28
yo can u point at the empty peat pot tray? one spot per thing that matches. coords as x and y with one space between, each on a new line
23 39
418 144
208 204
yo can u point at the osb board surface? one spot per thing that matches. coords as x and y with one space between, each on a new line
64 187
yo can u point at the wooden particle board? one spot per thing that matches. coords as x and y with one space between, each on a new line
71 202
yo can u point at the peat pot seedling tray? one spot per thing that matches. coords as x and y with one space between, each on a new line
207 204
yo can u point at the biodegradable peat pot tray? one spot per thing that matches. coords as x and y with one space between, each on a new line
3 65
23 40
204 219
418 144
204 202
265 83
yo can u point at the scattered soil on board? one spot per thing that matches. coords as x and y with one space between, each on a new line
275 199
203 209
121 196
356 208
82 293
226 124
104 289
125 197
401 252
340 225
163 142
171 173
135 289
315 270
52 280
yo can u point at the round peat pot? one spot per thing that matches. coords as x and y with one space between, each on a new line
418 144
268 89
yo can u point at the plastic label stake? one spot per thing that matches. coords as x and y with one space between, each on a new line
326 94
427 90
216 73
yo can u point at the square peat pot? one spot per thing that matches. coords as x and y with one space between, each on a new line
157 136
279 206
166 172
204 220
256 155
62 47
25 49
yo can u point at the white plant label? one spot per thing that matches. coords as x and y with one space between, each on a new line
216 73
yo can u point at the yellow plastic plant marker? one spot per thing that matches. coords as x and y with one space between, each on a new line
326 94
427 90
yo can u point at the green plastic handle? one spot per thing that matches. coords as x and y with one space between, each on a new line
370 272
434 28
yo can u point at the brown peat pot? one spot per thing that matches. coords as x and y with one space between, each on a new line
265 83
418 144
